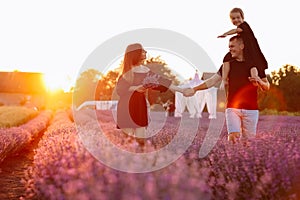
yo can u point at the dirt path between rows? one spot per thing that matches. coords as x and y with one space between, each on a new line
12 171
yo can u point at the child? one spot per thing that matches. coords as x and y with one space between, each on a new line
252 52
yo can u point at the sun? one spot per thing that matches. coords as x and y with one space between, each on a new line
56 82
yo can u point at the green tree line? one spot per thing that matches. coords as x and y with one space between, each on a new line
284 93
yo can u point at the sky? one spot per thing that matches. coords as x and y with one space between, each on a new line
56 37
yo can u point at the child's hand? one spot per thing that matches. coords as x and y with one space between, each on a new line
222 36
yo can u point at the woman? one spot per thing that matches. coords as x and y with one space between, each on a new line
135 79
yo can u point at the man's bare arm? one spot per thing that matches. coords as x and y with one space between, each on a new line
209 82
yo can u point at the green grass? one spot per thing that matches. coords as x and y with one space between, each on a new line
276 112
15 115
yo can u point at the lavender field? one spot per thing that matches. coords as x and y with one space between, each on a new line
269 168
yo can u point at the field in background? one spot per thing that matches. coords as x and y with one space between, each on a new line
15 115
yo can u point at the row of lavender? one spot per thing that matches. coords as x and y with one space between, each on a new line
268 169
15 138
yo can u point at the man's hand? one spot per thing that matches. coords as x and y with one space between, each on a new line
188 92
254 80
263 83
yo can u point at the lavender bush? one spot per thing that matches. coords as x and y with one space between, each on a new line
269 168
15 138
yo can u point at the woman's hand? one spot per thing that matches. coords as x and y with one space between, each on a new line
188 92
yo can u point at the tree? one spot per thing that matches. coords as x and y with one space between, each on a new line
272 99
284 93
86 86
106 85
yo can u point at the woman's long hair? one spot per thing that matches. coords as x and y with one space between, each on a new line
132 57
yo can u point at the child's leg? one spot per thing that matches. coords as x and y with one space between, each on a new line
253 72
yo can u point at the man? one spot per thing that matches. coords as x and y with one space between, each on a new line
242 109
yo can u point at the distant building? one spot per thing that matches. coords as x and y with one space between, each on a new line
22 88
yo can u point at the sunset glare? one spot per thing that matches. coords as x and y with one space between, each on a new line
56 83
